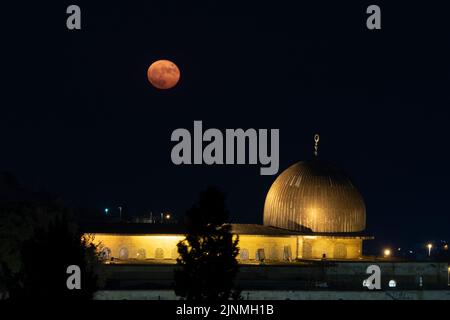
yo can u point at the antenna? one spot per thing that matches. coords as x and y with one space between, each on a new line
316 144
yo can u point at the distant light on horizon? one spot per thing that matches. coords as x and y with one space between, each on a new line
429 246
392 283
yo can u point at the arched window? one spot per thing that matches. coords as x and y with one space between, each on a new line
159 253
287 253
141 254
274 254
105 254
260 255
123 253
243 254
340 251
307 250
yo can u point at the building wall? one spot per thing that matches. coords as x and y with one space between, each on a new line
333 248
155 246
312 275
285 294
275 248
252 247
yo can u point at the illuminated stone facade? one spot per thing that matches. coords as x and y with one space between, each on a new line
252 247
312 211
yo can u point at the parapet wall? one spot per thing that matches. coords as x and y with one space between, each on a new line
293 276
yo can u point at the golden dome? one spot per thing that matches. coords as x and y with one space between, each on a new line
314 196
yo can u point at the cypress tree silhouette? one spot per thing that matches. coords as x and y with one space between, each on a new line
207 261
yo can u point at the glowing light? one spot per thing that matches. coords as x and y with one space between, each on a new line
387 252
392 283
168 216
106 210
429 246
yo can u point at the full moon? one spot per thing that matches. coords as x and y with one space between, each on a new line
163 74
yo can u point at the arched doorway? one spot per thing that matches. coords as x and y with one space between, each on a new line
159 253
307 250
243 254
340 251
123 253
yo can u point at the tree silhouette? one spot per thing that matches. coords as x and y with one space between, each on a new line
38 241
207 261
45 258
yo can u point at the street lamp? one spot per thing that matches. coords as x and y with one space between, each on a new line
106 210
429 246
387 253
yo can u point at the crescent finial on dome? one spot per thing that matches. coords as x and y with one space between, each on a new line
316 144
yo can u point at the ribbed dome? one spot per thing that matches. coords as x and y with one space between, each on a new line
314 196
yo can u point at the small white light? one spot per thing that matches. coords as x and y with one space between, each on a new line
392 284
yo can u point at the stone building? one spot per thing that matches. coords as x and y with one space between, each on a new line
312 211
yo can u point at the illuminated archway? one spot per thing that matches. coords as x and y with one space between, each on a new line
287 253
340 251
274 254
159 253
141 254
243 254
123 253
307 250
260 254
105 254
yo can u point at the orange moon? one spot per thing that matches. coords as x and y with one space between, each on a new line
163 74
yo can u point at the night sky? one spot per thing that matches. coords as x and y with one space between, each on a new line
79 118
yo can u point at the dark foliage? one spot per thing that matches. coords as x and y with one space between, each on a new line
45 258
207 262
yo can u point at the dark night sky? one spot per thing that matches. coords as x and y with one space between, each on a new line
80 119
